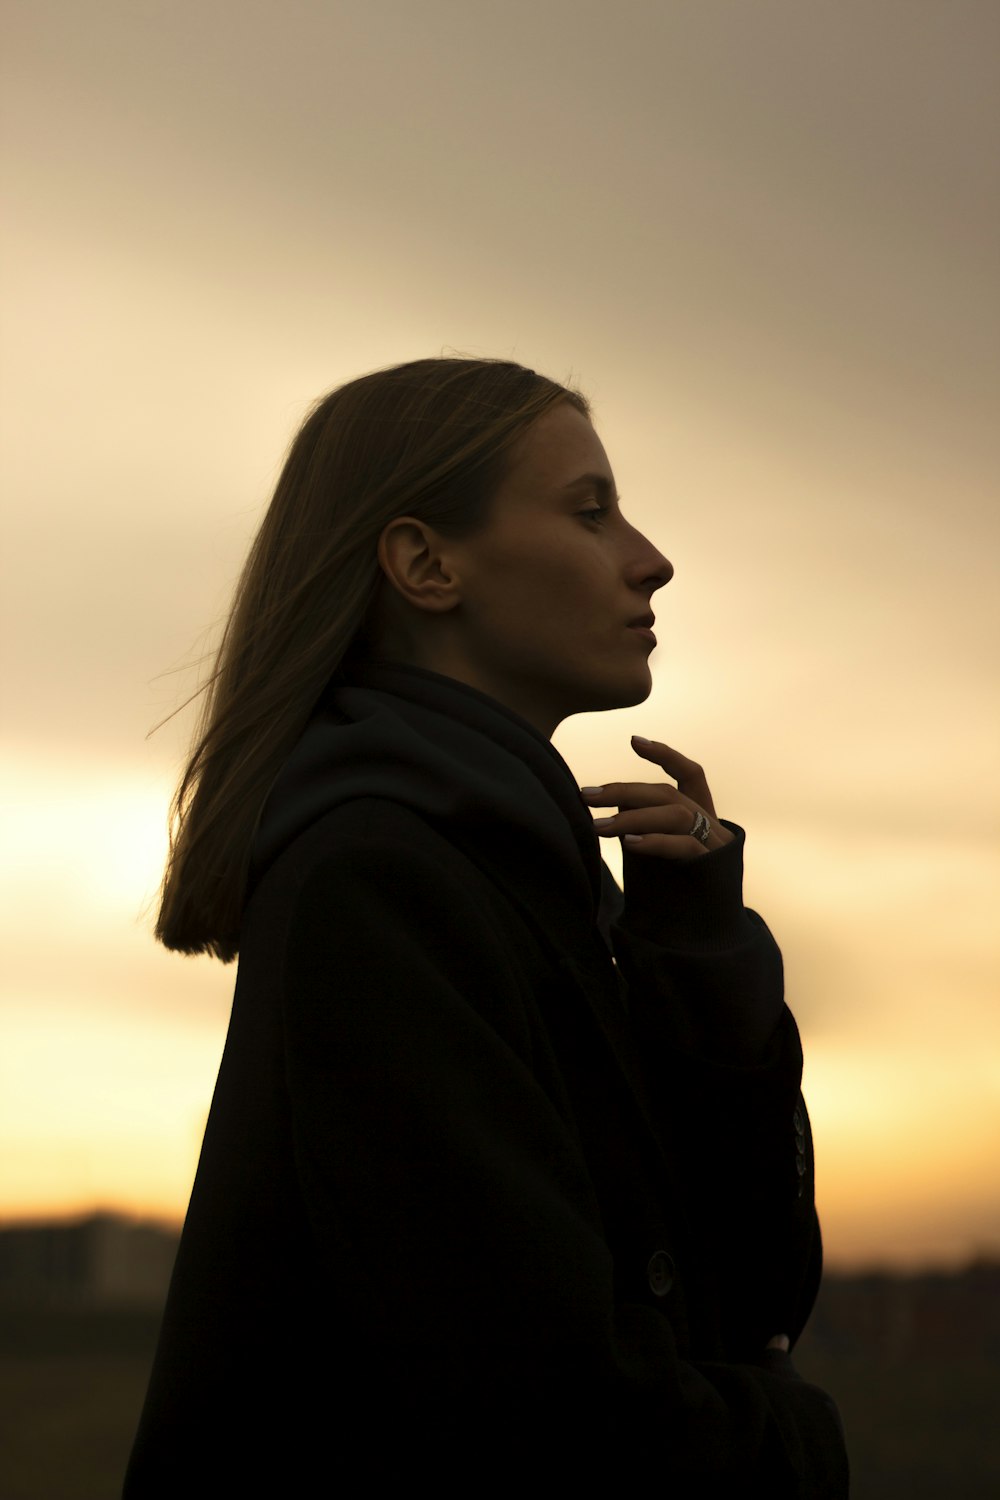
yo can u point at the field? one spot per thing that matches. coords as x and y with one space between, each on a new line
920 1412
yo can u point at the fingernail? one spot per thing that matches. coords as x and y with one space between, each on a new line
640 739
603 822
591 791
633 838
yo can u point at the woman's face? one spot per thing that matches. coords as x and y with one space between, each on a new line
554 610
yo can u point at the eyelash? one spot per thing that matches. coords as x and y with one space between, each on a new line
597 514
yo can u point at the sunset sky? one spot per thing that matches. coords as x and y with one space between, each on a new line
762 236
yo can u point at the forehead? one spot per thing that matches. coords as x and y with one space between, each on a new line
558 450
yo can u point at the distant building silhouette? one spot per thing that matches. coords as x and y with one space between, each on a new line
100 1262
895 1317
106 1262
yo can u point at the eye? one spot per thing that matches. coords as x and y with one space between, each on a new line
596 514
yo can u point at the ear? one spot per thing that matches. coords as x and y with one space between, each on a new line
414 559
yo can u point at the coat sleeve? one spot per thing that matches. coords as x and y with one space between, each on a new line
447 1191
721 1055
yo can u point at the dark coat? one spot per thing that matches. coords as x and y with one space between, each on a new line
477 1199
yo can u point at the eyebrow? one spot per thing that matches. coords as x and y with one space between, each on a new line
598 482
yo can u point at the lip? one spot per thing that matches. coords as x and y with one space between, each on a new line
643 625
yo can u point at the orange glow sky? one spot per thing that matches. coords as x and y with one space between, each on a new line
763 239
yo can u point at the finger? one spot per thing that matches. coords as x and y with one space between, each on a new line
676 818
668 832
665 845
633 794
780 1341
673 845
688 774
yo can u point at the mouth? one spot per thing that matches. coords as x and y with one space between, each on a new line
644 626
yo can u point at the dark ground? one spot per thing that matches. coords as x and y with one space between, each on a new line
913 1363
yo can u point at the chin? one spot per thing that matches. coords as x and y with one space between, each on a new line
638 690
638 696
622 695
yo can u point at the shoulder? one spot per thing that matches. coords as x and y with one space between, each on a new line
373 918
367 840
374 872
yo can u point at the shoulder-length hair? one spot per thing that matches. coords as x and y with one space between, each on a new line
428 439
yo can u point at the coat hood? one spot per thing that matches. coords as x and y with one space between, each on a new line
463 762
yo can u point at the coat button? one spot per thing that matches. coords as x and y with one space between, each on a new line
799 1121
660 1271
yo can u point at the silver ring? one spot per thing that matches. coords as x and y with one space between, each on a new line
702 828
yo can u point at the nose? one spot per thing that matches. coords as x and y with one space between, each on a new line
649 570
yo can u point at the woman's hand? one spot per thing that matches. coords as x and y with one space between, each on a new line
661 820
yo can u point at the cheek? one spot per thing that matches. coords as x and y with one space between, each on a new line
549 587
542 589
524 577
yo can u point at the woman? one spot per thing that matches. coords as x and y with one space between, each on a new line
506 1175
